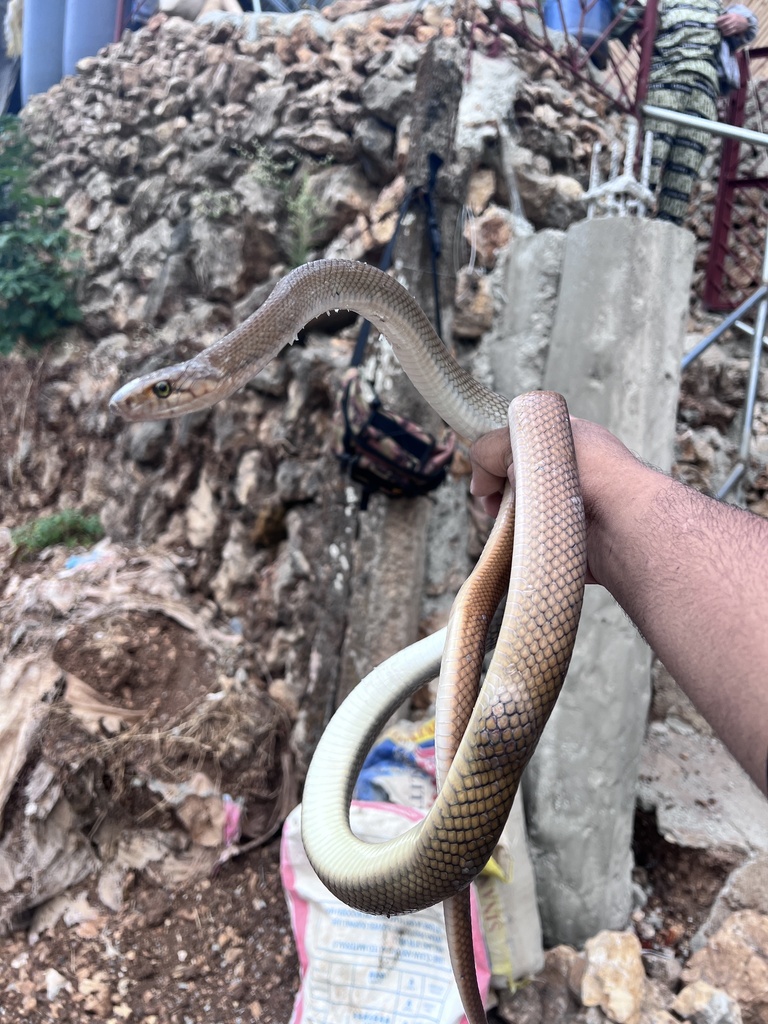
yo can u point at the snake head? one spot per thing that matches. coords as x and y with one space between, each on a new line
169 393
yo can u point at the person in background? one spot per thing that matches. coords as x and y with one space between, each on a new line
691 66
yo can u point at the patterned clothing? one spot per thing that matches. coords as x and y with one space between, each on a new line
684 77
678 150
687 40
686 68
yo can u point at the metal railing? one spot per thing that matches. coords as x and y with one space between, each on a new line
617 70
738 219
758 298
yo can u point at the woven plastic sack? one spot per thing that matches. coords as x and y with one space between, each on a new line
360 968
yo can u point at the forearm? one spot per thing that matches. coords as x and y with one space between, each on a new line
692 573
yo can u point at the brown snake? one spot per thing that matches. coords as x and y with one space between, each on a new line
480 772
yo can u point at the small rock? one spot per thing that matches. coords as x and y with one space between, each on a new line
614 978
489 234
569 964
662 965
746 889
481 189
202 515
702 1003
473 305
736 960
54 983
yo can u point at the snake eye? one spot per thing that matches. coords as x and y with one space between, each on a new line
162 389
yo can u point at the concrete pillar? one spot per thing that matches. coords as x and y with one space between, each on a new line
525 288
389 560
615 352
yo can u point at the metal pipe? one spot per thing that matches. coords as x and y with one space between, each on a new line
733 478
748 329
754 380
120 20
703 124
646 41
721 328
752 384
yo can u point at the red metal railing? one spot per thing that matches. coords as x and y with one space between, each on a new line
741 207
617 70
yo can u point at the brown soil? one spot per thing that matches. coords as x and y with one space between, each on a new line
681 885
218 952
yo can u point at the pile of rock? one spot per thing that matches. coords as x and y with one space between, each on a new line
615 979
197 163
197 160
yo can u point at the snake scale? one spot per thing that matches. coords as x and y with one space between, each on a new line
483 739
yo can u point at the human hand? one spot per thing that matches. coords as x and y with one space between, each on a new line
609 474
732 24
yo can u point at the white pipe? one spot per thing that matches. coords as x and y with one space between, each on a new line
730 131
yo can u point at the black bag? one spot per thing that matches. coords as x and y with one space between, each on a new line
384 451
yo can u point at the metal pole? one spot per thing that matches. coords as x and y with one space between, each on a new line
703 124
721 328
119 20
647 37
752 385
747 329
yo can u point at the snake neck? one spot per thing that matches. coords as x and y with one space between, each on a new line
325 286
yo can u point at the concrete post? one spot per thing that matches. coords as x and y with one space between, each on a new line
525 287
391 550
615 353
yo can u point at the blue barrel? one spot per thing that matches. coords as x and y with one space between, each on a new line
42 32
89 25
584 19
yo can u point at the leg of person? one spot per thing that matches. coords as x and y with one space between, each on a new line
661 94
686 153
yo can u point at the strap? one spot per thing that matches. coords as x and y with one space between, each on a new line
427 199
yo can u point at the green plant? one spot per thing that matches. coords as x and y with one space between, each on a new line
304 220
37 295
216 205
70 527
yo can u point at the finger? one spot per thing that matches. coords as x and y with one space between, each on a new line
491 504
491 456
487 487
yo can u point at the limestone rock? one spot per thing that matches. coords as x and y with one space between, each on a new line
613 976
489 234
388 92
746 889
701 1003
384 210
481 189
201 515
550 201
736 960
374 141
339 195
473 305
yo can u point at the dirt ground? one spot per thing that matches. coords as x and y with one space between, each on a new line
221 950
218 952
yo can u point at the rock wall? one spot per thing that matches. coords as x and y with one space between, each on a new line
197 163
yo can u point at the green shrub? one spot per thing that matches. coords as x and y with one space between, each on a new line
36 275
69 527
